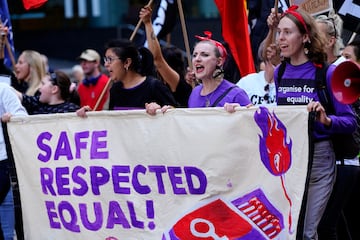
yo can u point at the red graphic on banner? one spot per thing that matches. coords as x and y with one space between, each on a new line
275 151
212 221
262 217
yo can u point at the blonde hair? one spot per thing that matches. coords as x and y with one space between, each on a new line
37 70
334 27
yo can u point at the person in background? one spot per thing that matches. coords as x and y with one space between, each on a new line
258 12
190 77
169 62
302 48
331 27
26 77
46 63
77 74
352 51
351 210
54 96
9 106
94 88
30 68
6 74
132 71
260 86
347 170
231 70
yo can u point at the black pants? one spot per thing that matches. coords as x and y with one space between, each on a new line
346 178
4 179
352 211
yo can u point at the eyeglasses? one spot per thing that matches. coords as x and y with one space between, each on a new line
53 78
110 59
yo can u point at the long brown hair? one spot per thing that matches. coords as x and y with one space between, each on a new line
316 45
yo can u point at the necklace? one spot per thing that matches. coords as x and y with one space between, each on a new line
208 97
212 86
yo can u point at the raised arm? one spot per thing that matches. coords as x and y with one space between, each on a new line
270 41
169 75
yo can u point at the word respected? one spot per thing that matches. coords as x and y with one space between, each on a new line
57 181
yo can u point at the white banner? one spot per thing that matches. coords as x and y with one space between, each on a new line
186 174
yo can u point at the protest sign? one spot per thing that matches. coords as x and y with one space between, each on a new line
314 7
185 174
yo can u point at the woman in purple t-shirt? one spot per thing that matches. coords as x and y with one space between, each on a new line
302 48
213 91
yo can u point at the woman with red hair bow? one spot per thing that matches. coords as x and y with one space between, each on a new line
302 48
213 91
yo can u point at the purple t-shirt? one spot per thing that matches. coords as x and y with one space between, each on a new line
235 95
298 87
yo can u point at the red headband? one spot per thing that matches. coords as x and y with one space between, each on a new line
219 46
291 10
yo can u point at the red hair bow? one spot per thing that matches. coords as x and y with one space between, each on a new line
207 37
292 10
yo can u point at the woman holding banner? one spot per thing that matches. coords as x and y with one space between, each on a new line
9 106
214 91
54 96
208 60
302 48
132 71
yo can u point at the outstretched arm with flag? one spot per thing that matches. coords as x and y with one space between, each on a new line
235 32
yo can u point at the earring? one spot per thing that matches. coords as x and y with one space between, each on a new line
306 51
126 68
218 71
306 47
